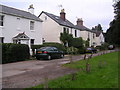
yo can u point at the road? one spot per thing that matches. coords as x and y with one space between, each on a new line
30 73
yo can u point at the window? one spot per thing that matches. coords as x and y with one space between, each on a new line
18 24
93 35
64 29
71 30
67 30
32 41
88 35
1 20
75 33
32 25
1 39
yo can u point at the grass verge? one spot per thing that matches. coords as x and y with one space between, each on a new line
103 74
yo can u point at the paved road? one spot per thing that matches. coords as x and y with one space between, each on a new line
30 73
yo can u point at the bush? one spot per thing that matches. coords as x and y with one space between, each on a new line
103 47
81 50
14 52
72 50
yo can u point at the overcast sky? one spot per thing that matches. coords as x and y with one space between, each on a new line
93 12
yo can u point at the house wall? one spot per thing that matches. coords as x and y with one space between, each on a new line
52 30
87 34
99 40
14 25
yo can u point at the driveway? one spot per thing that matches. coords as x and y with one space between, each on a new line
30 73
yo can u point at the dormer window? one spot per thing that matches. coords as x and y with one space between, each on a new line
32 25
1 20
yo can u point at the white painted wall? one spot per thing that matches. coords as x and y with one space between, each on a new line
99 40
52 30
85 34
13 26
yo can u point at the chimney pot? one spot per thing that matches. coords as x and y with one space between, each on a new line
79 22
62 14
31 9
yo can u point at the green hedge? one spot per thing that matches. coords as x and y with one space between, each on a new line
14 52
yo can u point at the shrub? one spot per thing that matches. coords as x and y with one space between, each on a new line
81 50
72 50
14 52
103 46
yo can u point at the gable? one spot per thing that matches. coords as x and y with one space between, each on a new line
58 20
21 36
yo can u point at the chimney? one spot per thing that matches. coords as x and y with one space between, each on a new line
79 22
31 9
62 14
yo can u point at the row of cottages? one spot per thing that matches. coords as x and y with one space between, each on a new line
95 37
18 26
54 25
23 27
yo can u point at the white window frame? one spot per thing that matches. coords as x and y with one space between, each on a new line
32 25
1 20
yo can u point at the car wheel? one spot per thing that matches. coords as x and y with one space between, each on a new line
49 57
61 56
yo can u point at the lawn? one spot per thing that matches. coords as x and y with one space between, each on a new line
103 74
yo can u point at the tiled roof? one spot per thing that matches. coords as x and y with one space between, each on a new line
60 21
17 12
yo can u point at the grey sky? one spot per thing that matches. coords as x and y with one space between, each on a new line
92 12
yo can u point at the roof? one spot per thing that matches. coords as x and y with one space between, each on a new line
59 20
21 36
83 28
98 33
17 12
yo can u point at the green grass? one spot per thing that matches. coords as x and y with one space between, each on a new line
105 76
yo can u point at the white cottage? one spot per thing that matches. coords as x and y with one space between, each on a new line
18 26
54 25
86 33
99 38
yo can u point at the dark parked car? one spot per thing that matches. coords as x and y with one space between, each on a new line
49 53
91 50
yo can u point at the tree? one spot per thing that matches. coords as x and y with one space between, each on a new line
77 42
66 38
99 27
113 33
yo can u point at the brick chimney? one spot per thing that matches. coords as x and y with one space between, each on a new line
31 9
62 14
79 22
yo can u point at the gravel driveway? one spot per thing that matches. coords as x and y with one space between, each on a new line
30 73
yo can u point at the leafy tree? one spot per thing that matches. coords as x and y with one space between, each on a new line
97 28
77 42
86 43
66 38
113 33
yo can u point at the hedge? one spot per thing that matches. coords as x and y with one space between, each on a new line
14 52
